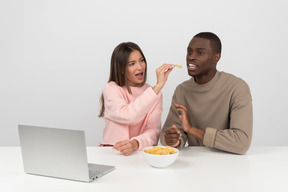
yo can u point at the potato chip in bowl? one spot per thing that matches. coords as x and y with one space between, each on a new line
160 157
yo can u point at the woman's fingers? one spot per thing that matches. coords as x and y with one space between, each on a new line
124 147
120 144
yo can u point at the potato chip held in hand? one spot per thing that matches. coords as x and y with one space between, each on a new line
179 66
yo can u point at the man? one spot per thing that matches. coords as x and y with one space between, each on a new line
213 108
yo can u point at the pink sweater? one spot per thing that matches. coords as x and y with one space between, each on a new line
132 116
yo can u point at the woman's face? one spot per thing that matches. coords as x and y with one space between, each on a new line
136 69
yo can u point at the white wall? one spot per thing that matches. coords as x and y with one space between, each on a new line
55 56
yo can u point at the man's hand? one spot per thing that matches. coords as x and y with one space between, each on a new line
186 123
126 147
172 136
184 117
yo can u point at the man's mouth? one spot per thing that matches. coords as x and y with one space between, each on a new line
191 66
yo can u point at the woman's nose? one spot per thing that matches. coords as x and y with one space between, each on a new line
139 65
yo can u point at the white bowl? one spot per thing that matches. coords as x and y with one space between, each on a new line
160 161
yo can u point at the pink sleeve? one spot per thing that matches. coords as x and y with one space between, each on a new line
120 111
152 129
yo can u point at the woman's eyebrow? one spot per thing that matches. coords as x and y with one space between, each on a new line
131 61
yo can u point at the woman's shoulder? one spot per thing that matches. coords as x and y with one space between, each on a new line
112 84
112 87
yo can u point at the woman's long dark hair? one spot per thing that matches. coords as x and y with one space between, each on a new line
118 68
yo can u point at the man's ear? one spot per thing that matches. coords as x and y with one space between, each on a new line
217 57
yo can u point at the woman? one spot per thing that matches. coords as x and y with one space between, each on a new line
132 108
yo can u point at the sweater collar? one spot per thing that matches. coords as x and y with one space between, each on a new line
210 84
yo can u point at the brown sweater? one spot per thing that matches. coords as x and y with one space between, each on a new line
223 107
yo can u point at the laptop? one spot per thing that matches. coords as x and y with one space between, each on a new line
59 153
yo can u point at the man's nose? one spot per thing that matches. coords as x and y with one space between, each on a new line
191 56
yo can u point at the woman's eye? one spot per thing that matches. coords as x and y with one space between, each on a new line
131 64
142 60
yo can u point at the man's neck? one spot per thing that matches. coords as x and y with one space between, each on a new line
205 79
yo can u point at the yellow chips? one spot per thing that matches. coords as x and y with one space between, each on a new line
179 66
157 150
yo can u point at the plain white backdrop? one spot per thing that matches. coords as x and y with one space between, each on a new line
55 57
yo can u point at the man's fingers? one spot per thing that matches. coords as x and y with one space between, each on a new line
180 107
172 131
174 128
171 142
172 135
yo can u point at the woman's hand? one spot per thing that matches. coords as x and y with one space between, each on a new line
126 147
162 74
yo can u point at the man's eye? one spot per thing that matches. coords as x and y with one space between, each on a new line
189 52
200 53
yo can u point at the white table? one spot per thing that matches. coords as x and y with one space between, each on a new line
196 169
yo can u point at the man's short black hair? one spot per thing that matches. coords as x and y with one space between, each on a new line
214 39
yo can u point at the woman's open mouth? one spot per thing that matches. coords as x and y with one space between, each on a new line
140 76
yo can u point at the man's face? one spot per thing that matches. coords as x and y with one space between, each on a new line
200 58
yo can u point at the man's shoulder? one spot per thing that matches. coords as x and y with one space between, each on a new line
228 77
232 81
